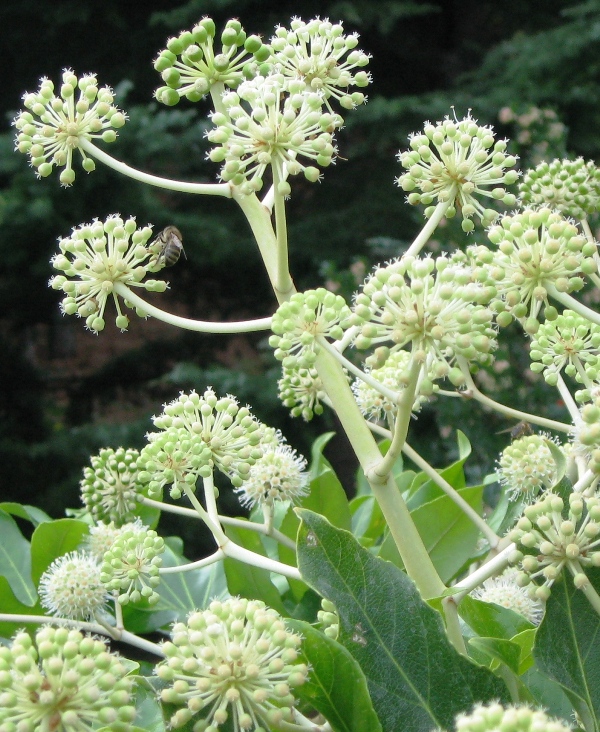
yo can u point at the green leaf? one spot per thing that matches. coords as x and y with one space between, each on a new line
336 686
10 604
426 491
415 678
29 513
368 522
499 649
180 593
490 620
15 561
449 535
567 646
53 539
245 579
318 462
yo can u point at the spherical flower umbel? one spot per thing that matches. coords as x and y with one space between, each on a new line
320 54
457 162
198 434
279 475
302 392
526 466
102 536
234 661
191 65
71 587
570 186
300 321
570 342
431 305
505 591
393 375
494 717
63 681
54 126
586 434
537 250
110 487
96 257
553 536
272 121
131 566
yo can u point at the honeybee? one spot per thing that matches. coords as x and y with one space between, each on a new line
167 247
521 429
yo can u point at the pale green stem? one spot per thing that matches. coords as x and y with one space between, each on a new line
207 189
258 560
585 481
217 556
201 326
594 278
446 393
473 392
455 635
588 589
216 95
494 566
259 218
224 520
402 528
393 396
118 612
215 528
267 516
587 231
211 499
284 281
346 339
567 398
402 423
429 227
124 636
573 304
509 679
453 494
585 379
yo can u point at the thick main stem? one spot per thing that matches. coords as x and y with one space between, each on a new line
284 282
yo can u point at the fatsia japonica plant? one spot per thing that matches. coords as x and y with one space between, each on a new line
411 608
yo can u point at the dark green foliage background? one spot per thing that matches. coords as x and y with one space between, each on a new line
480 55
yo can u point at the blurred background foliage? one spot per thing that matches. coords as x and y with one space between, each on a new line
530 69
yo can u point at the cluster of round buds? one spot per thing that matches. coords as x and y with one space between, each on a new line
320 54
570 342
200 433
329 619
71 587
394 374
536 249
586 431
570 186
301 391
190 65
434 306
96 257
457 162
272 121
526 466
234 661
131 566
53 127
63 680
102 536
494 717
110 487
279 475
302 320
551 541
505 591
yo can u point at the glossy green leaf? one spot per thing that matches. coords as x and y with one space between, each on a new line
53 539
336 686
10 604
567 646
416 680
15 560
448 534
368 522
149 715
24 511
525 641
318 461
500 650
490 620
247 580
